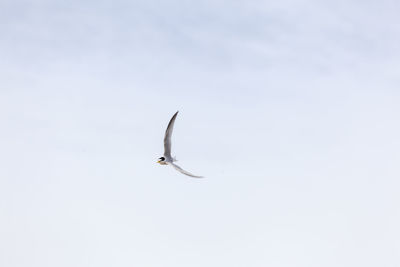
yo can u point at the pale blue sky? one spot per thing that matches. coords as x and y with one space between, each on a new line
290 109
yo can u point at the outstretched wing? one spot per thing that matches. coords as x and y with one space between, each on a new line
184 172
167 137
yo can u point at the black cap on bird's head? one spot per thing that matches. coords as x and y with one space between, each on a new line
162 159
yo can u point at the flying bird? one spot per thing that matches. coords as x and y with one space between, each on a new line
167 159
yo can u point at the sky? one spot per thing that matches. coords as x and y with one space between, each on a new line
290 109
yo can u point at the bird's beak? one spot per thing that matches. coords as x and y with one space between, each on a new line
158 161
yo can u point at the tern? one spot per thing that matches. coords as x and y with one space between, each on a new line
167 159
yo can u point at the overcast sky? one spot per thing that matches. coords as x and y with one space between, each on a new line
290 109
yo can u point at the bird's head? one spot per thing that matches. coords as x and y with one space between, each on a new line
161 161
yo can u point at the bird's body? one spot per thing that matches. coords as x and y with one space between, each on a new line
167 159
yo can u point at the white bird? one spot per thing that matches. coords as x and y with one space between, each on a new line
167 159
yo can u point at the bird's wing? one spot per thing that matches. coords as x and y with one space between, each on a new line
167 137
184 172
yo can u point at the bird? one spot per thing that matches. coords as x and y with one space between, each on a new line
167 159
